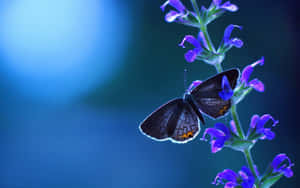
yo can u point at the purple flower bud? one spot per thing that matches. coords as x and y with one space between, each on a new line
282 164
255 83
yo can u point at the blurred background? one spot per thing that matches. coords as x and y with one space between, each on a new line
78 76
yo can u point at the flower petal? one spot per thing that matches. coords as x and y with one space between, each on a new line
228 32
172 16
233 127
214 133
202 39
238 43
190 39
228 175
194 84
174 3
247 177
249 69
257 85
268 134
216 145
217 2
163 7
254 120
226 92
256 170
264 119
260 62
190 56
288 172
278 160
230 185
178 5
229 7
224 129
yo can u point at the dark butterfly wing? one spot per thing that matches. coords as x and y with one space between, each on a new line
206 95
187 125
174 120
157 123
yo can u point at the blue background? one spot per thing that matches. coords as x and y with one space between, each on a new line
78 76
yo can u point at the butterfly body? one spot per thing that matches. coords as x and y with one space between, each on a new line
179 119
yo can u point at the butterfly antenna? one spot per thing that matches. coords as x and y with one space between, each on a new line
185 79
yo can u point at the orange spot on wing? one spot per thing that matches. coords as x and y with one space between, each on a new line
187 135
223 110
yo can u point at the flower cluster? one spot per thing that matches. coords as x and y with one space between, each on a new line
232 135
243 178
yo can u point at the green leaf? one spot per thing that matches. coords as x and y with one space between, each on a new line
270 181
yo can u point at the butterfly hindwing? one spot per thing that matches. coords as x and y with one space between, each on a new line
187 126
174 120
206 95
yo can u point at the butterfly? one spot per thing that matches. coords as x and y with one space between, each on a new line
179 119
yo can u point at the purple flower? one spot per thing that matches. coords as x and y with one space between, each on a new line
255 83
219 135
226 92
282 164
193 85
225 6
229 42
257 129
244 178
173 15
199 44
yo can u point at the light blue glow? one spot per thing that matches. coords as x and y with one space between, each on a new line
57 50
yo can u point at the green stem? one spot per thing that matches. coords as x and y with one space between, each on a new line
210 45
236 120
218 67
250 162
196 9
202 25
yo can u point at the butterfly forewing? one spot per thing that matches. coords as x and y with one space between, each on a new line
156 124
206 95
